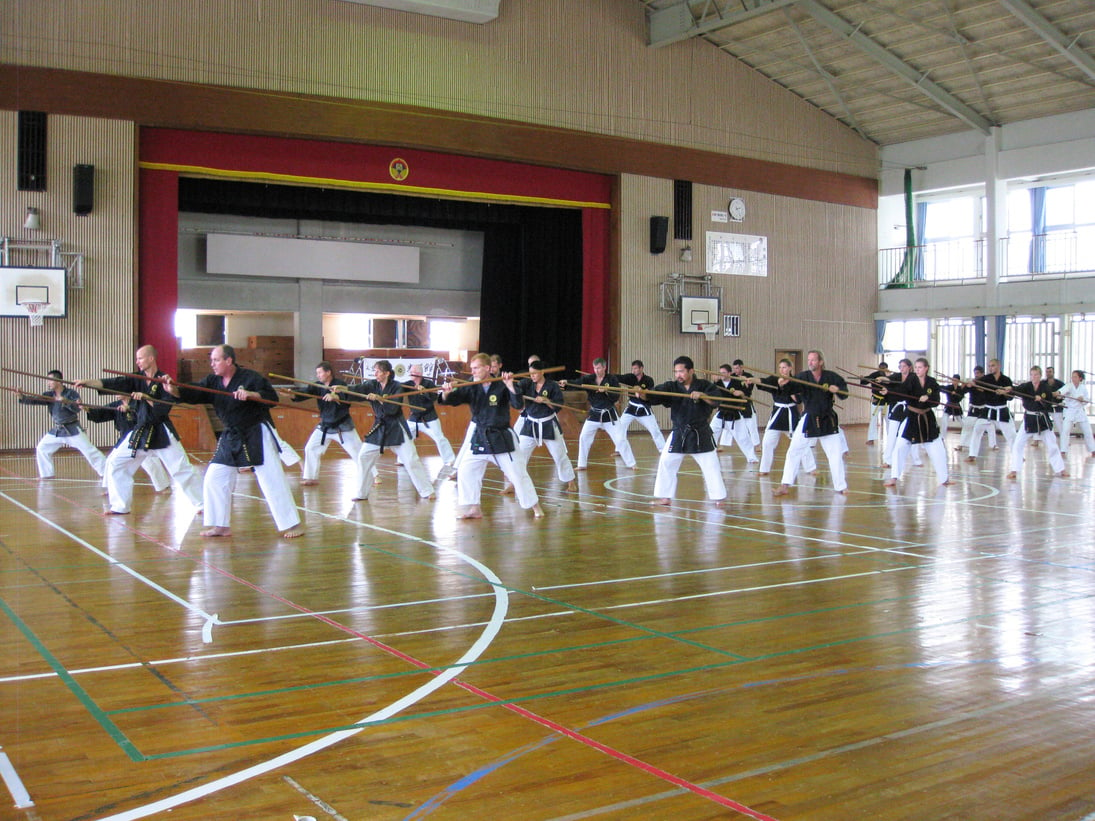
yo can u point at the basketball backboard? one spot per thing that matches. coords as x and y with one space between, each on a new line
19 286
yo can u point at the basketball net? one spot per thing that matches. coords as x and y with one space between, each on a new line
36 312
710 331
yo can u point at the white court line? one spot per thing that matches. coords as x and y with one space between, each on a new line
478 647
14 783
208 619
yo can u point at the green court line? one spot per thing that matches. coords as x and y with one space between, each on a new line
501 659
101 717
599 686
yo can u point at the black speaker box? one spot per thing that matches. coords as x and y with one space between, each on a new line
659 230
83 189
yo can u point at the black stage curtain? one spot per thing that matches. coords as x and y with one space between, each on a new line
531 291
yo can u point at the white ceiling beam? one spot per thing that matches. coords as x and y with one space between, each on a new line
466 11
1033 20
895 64
675 23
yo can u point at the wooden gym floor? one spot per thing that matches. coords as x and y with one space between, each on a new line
918 653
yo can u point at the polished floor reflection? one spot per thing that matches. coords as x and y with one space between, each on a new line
920 652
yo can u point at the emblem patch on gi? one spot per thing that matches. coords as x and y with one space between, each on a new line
399 169
493 400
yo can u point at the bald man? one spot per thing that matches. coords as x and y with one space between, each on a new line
152 434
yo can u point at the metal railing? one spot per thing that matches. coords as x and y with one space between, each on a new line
1055 254
935 263
1020 256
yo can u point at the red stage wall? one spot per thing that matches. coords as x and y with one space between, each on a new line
167 153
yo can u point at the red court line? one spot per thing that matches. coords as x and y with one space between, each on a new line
554 726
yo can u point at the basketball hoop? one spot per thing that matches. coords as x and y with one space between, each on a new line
35 312
709 331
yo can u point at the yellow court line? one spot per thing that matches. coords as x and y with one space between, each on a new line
451 193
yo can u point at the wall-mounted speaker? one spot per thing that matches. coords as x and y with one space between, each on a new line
83 189
659 231
31 151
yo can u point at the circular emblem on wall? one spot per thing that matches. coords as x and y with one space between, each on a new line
399 169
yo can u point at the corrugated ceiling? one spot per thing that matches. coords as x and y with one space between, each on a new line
899 70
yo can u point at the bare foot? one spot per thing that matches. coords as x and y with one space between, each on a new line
360 499
885 466
570 486
216 532
870 441
664 502
309 482
947 483
537 511
782 490
1011 474
890 483
431 498
580 467
376 480
293 532
971 458
473 512
1063 474
507 490
763 474
720 502
116 512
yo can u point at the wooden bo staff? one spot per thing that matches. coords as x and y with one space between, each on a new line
203 389
357 376
460 382
814 385
708 397
523 375
53 399
104 390
383 398
873 368
550 403
330 388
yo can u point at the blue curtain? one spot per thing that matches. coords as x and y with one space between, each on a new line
1001 338
979 341
921 222
879 333
1037 259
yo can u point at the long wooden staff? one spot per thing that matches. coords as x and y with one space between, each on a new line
330 388
460 382
548 402
103 390
821 386
708 397
388 398
891 392
51 399
358 376
203 389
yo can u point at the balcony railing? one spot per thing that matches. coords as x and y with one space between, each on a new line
1056 254
935 263
1020 256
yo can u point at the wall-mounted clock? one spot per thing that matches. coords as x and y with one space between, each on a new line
736 209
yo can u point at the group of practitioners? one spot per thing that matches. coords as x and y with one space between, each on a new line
704 414
905 402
